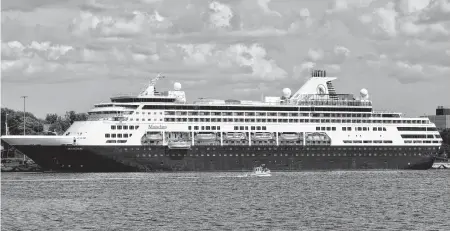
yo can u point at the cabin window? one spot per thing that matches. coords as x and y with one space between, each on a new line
119 127
189 127
125 127
241 128
213 128
195 127
107 135
119 135
258 128
264 128
113 135
113 127
207 128
131 127
252 128
218 127
125 135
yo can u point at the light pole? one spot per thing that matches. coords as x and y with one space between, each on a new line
24 116
6 123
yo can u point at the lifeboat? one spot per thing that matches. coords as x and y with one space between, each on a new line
235 136
154 136
209 136
179 144
317 137
290 136
263 136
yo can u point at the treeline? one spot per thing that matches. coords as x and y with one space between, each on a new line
445 134
35 126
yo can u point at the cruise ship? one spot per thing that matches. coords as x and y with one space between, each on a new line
312 129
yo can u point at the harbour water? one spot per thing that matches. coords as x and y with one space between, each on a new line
358 200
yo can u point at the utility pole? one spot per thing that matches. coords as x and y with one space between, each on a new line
6 123
24 116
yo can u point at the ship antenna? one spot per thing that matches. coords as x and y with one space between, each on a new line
151 86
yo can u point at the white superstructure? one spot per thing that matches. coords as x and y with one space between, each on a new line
313 115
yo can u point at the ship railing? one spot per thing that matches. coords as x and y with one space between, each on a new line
397 114
349 103
130 94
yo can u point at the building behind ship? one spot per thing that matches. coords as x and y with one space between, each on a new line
442 118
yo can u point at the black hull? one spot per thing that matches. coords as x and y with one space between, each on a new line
226 158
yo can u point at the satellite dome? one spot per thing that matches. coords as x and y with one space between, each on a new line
286 92
364 93
177 86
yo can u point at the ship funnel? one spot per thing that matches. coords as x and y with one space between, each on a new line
319 73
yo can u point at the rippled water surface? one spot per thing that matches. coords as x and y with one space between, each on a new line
361 200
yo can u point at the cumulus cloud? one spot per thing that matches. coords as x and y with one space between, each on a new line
343 5
317 58
197 54
436 11
253 58
221 15
382 21
264 4
303 70
315 54
218 41
33 57
406 72
412 6
140 22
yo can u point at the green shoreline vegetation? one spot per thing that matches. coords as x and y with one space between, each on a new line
36 126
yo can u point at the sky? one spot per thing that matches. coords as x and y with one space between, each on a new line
70 54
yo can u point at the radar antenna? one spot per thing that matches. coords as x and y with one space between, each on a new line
151 86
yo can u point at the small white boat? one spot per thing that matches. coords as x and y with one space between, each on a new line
441 165
261 171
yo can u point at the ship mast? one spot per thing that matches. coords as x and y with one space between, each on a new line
151 86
